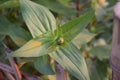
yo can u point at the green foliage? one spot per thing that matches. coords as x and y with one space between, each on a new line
38 18
97 69
1 37
34 48
70 58
43 66
9 4
74 27
17 34
97 51
41 24
82 38
56 6
43 32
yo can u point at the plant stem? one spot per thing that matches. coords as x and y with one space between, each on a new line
115 53
60 75
78 7
31 76
9 76
65 75
6 68
14 66
2 77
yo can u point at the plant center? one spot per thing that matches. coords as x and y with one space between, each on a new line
60 41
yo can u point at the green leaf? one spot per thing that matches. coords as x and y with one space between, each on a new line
82 38
48 77
102 67
65 2
1 37
38 18
100 9
93 70
70 58
17 34
4 28
101 52
36 47
98 69
57 7
43 66
9 4
2 1
72 28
